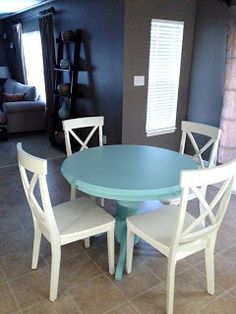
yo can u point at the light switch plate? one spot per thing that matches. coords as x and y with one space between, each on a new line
139 80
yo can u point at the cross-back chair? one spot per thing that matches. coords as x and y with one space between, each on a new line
191 130
174 232
62 224
69 127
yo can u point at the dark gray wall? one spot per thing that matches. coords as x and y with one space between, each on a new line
208 65
102 23
3 44
138 15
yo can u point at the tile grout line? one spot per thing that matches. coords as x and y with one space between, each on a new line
231 289
215 297
13 295
120 305
224 293
73 301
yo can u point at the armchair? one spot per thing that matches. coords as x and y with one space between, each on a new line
23 108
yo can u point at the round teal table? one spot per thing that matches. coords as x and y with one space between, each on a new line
128 174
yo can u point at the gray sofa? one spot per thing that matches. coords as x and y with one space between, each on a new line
24 115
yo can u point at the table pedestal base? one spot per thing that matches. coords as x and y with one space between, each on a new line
124 209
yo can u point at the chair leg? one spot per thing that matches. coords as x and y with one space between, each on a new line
111 250
130 250
87 243
201 207
36 246
170 285
102 202
72 193
210 272
55 269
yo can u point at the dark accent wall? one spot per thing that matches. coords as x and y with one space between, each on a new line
102 23
138 15
3 43
208 65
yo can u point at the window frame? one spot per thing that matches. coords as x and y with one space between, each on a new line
154 50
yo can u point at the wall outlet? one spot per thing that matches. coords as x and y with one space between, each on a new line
104 139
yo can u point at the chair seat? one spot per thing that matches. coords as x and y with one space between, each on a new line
80 216
157 226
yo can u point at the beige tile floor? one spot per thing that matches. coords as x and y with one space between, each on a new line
85 285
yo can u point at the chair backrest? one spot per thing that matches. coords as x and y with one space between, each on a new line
189 128
33 170
96 123
214 210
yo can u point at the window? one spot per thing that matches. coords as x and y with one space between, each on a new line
34 61
163 78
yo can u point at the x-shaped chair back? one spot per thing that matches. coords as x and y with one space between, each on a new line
190 129
190 182
95 123
33 170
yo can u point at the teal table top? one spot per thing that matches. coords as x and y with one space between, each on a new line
126 172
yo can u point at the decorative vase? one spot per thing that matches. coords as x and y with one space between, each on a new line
67 36
65 64
63 89
64 111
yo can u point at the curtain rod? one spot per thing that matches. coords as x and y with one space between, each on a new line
41 13
51 10
33 7
30 8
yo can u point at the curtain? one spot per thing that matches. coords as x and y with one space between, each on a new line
227 148
48 51
20 74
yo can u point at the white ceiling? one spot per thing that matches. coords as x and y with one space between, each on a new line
11 7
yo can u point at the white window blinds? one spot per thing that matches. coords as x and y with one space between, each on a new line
163 78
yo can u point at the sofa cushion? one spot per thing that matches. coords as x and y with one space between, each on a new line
24 106
13 87
30 91
13 97
10 86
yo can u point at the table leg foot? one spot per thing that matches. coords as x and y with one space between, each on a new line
124 210
121 262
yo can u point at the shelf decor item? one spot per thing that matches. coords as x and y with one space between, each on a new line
65 64
63 89
67 68
68 36
64 111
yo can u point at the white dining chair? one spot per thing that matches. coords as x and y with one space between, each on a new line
212 137
64 223
95 124
176 233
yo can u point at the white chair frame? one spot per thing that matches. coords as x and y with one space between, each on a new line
62 224
188 130
176 233
96 123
